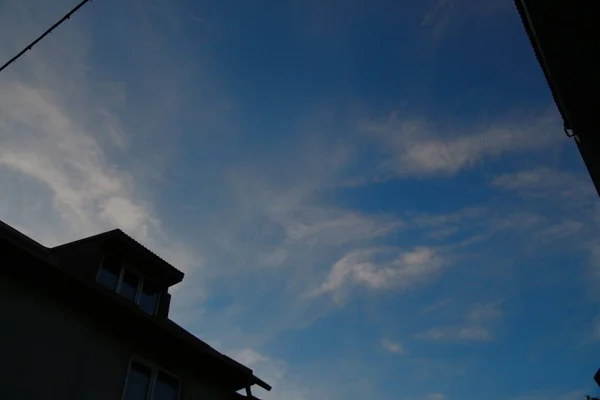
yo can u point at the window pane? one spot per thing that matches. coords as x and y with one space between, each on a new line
129 285
138 382
166 387
149 297
109 273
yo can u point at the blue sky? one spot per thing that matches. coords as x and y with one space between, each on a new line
369 199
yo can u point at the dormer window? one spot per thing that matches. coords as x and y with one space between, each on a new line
109 274
148 297
129 284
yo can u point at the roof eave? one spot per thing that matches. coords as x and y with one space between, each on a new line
259 382
539 53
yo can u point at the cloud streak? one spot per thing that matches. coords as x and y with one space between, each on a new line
392 346
138 129
380 269
65 140
476 326
421 148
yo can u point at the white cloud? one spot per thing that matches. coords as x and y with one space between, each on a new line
545 181
476 326
392 346
60 138
530 179
378 269
438 17
420 148
558 208
444 16
249 357
298 215
275 372
269 245
435 396
67 147
561 229
446 226
438 305
334 226
485 312
42 141
455 333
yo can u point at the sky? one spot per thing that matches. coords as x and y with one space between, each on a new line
370 199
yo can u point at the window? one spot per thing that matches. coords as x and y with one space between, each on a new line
128 284
166 387
145 382
138 382
109 273
149 297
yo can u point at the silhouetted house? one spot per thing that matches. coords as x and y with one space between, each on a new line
564 35
89 320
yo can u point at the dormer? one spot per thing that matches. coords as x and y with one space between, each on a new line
121 265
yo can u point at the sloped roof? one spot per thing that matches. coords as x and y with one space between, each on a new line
172 274
23 241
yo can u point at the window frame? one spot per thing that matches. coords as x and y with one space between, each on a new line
141 279
120 283
158 297
100 270
154 370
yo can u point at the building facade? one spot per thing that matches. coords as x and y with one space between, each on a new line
90 320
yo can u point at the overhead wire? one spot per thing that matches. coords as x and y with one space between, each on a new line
43 35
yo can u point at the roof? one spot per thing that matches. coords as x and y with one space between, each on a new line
19 239
171 274
564 35
101 303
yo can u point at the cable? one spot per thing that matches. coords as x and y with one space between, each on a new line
63 19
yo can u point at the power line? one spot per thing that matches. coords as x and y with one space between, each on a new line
63 19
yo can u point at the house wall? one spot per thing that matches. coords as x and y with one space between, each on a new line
50 351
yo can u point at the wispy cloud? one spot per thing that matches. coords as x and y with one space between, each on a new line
250 357
423 148
89 129
444 17
332 226
392 346
378 269
435 396
63 139
438 17
281 236
277 373
545 181
476 326
42 141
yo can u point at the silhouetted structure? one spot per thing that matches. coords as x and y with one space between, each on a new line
597 377
89 320
565 37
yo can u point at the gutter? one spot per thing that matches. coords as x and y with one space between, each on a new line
537 48
259 382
